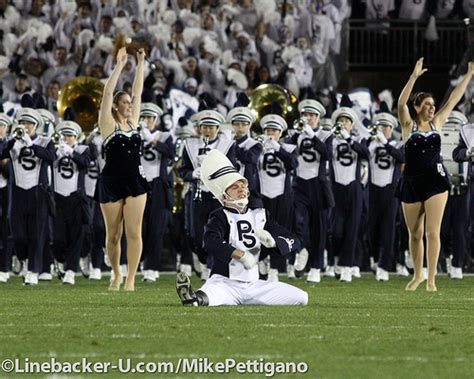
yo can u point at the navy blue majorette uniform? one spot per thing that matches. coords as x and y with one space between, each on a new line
122 175
275 168
31 197
461 211
345 168
424 174
71 205
5 252
386 158
94 240
198 211
155 161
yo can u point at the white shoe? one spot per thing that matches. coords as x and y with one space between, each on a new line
124 270
149 276
84 266
60 271
291 272
456 273
273 275
373 264
31 278
24 268
16 265
314 275
355 270
69 277
3 277
186 269
381 275
301 259
346 274
45 276
95 274
337 270
408 260
157 275
402 270
330 272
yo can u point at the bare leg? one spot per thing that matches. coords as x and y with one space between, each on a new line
434 207
133 217
113 218
414 217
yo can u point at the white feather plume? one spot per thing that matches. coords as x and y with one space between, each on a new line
211 46
44 31
190 35
85 37
10 44
105 44
169 17
161 32
238 78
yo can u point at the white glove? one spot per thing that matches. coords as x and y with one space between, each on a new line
265 238
308 130
27 139
272 144
17 146
345 133
248 260
66 149
381 137
197 173
146 134
470 152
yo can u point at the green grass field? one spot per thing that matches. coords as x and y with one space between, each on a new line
360 330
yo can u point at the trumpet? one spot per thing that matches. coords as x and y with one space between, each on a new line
373 130
198 194
299 124
337 128
19 133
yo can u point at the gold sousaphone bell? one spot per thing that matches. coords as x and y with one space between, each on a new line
83 95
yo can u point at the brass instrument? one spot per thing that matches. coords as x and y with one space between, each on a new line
262 99
299 124
56 138
373 130
198 194
83 95
19 133
337 129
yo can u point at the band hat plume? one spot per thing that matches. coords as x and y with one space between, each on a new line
150 109
30 115
210 117
273 121
242 114
345 112
69 128
218 174
312 106
385 119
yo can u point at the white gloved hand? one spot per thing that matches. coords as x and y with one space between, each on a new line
381 137
265 238
470 152
17 146
308 130
345 133
248 260
146 135
27 139
272 144
197 173
66 149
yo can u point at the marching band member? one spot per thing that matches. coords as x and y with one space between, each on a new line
347 151
5 253
313 195
234 236
208 122
458 206
158 149
122 186
94 240
247 149
386 157
30 156
69 193
274 169
424 184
